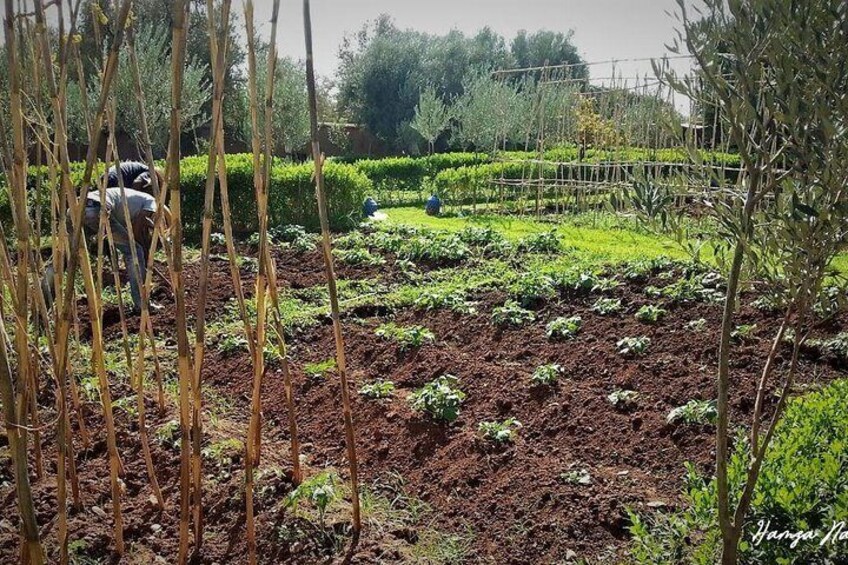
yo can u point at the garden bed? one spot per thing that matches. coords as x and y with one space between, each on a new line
559 490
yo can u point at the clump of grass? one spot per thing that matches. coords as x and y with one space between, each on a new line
320 369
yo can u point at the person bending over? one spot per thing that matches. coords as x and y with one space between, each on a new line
135 175
142 209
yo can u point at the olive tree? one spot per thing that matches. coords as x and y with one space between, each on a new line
486 112
770 66
290 123
152 46
432 116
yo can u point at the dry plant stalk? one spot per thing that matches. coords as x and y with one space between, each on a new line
257 350
12 389
78 257
178 57
218 51
326 247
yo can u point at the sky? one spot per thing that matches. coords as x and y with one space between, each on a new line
603 29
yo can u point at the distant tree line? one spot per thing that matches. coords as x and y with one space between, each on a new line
414 91
385 73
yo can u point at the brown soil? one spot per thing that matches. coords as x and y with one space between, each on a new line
512 500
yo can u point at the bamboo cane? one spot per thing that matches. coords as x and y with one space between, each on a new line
132 368
328 264
218 51
91 292
178 55
252 444
31 549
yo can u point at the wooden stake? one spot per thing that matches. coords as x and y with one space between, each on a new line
330 271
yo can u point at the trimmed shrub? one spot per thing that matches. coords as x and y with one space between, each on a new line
291 193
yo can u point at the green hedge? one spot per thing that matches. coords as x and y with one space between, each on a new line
410 180
403 180
291 194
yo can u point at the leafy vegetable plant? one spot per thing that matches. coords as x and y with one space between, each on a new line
319 490
743 332
512 314
606 306
230 344
698 325
694 412
633 346
547 242
563 328
406 337
440 398
650 314
378 389
358 256
500 432
623 398
546 374
532 288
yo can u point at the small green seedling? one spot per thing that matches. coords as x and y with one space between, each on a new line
169 434
378 389
606 306
500 432
633 346
358 256
224 455
532 288
578 477
698 325
563 328
694 412
452 300
743 332
546 375
440 398
218 239
623 398
406 337
606 284
231 344
650 314
511 314
321 369
319 490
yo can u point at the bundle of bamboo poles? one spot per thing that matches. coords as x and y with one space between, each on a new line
24 312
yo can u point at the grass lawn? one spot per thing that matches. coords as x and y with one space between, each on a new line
602 237
599 236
